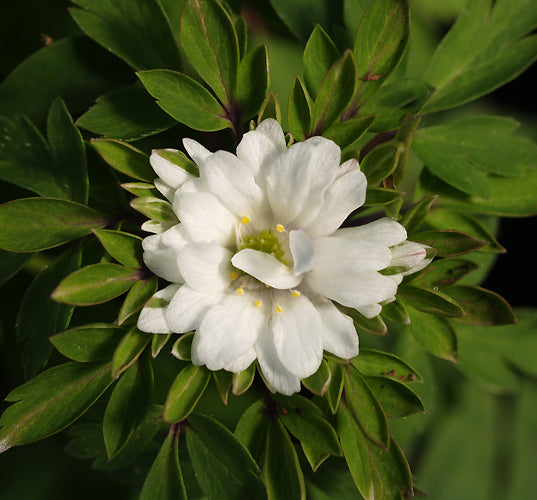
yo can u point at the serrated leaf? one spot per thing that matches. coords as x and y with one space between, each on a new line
137 31
127 114
319 382
243 380
95 284
443 272
365 408
185 392
299 111
251 430
320 54
185 100
165 479
52 401
34 224
223 466
334 94
448 243
430 302
92 343
282 472
39 317
182 346
397 399
129 350
346 133
128 405
374 363
138 295
252 82
125 158
211 45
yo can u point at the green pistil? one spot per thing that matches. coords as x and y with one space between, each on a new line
266 242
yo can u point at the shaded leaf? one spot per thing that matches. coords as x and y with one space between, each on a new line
243 380
397 399
223 380
126 248
182 346
299 110
373 363
382 196
346 133
448 242
413 218
11 264
443 272
319 382
252 429
138 295
252 83
396 311
270 109
431 302
335 389
129 350
158 342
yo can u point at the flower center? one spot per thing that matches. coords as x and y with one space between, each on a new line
265 241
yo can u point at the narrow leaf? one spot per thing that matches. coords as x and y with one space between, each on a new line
346 133
243 380
319 382
136 298
299 111
125 159
397 399
443 272
373 363
252 83
126 248
431 302
129 350
182 346
448 243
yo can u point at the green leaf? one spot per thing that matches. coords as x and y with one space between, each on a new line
320 54
381 162
223 466
319 382
314 457
211 45
52 401
128 405
443 272
299 111
34 224
140 189
482 51
373 363
335 389
126 248
180 159
397 399
430 302
252 83
68 151
353 12
243 380
380 44
283 475
382 196
158 342
125 159
481 306
251 430
413 218
185 392
270 109
346 133
39 317
129 350
137 297
76 69
11 264
185 99
366 408
137 31
448 242
223 380
128 114
305 421
396 311
375 325
155 208
334 94
95 284
241 29
434 334
165 479
94 343
182 346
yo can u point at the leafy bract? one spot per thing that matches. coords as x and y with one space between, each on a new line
50 402
137 31
33 224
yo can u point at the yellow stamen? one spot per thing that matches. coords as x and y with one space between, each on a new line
245 219
280 228
257 303
240 290
279 309
295 293
234 275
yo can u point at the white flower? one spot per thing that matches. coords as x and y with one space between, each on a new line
258 261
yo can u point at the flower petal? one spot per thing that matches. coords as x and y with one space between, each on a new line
297 328
153 319
205 266
196 151
411 256
242 362
188 307
160 253
345 194
303 251
228 331
383 232
165 189
266 268
173 175
372 310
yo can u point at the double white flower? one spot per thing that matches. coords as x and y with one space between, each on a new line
258 258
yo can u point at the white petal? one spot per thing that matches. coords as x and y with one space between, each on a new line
242 362
273 130
383 232
188 307
275 373
303 251
175 237
338 335
205 266
228 331
266 268
161 258
205 218
345 194
297 328
371 310
297 180
411 255
196 151
165 189
153 319
156 227
171 174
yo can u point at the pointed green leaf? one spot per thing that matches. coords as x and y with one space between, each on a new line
185 392
251 430
126 248
430 302
211 45
381 162
51 401
95 284
346 133
243 380
180 159
382 196
92 343
223 466
252 83
11 264
137 297
314 457
448 243
443 272
34 224
182 346
241 29
397 399
335 389
165 479
223 380
129 350
155 208
373 363
319 382
299 111
413 218
270 109
158 342
140 189
396 311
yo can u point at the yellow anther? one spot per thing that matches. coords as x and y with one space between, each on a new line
257 303
234 275
245 219
279 309
240 290
295 293
280 228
